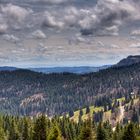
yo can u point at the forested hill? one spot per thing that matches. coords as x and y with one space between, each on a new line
28 93
129 61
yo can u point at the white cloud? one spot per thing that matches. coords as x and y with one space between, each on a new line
135 32
135 45
51 21
114 46
3 28
51 1
15 12
11 38
79 39
38 34
14 15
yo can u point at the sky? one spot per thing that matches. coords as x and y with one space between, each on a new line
56 33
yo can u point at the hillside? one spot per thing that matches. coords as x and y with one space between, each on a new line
121 110
130 60
28 93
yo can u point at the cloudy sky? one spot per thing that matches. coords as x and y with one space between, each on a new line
48 33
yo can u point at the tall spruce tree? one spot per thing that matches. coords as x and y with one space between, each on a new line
13 131
86 133
25 130
129 133
55 133
2 134
40 128
101 133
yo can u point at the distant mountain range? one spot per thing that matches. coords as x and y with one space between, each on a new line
6 68
77 70
130 60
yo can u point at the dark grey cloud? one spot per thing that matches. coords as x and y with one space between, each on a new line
111 14
104 17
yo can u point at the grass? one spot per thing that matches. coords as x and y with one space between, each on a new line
85 116
93 109
121 99
107 114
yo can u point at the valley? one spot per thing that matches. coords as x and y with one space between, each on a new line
107 101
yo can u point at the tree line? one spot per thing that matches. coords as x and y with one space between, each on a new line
43 128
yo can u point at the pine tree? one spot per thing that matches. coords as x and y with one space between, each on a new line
129 133
87 131
135 117
87 110
118 133
25 131
101 133
2 135
40 128
108 129
81 112
71 113
13 131
55 133
86 134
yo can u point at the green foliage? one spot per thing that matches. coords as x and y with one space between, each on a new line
25 130
86 133
42 128
2 135
101 133
13 131
118 133
129 133
55 133
87 110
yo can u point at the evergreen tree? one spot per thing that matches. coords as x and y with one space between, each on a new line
135 117
129 133
87 110
118 133
81 112
71 113
2 135
40 128
108 129
101 133
86 134
13 131
55 133
25 130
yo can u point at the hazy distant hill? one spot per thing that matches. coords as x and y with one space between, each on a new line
130 60
6 68
78 70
